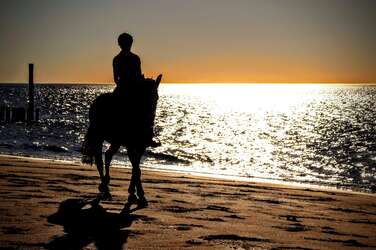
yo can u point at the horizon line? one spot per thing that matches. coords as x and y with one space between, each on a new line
112 83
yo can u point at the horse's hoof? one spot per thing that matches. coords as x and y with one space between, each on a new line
96 201
103 188
126 209
132 199
105 196
142 202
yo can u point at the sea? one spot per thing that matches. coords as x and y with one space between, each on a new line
304 134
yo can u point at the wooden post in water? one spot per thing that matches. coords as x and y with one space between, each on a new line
30 109
7 114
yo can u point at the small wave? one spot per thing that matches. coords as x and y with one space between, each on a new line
167 157
6 145
51 148
55 148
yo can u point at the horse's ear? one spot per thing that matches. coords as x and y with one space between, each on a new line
158 80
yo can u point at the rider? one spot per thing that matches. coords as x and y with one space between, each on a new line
126 65
127 71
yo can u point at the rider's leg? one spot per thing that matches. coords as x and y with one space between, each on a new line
110 152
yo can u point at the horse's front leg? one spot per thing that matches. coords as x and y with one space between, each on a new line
135 155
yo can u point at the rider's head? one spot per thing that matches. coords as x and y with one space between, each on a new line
125 41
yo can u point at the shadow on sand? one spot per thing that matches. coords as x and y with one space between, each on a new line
86 222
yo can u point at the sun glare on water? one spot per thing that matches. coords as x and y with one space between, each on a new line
250 97
247 125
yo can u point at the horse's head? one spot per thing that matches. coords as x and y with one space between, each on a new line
158 80
152 83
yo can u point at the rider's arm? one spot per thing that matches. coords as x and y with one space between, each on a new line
115 66
138 71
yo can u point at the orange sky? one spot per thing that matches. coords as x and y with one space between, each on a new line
191 41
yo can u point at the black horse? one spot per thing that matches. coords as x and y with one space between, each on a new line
122 119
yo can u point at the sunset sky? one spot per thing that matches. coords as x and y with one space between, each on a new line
191 40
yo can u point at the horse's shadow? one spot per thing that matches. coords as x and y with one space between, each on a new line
86 222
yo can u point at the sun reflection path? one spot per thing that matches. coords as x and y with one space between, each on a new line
296 132
239 126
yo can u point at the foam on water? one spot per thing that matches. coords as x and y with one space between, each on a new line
318 134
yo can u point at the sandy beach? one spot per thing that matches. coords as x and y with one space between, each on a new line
184 212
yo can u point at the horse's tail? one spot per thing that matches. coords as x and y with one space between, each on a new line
97 119
88 148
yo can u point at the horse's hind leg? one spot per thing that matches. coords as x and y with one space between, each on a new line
99 162
103 186
110 152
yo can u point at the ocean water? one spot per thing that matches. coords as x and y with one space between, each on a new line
310 134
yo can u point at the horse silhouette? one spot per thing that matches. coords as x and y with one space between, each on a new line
122 119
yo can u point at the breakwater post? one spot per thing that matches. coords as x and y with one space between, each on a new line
30 108
26 113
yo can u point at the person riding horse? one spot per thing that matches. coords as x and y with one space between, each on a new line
123 118
127 72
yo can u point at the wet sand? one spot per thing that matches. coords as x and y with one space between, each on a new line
184 212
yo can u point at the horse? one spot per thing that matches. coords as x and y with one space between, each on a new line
122 119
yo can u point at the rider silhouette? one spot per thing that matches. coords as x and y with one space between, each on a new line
126 65
127 74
